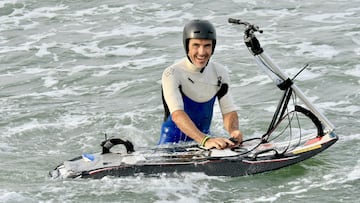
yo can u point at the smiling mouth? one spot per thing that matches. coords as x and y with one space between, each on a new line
201 59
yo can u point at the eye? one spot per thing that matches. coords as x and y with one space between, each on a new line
195 45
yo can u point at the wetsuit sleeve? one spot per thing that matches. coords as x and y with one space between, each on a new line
171 89
226 102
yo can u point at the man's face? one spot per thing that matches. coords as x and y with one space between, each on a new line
200 51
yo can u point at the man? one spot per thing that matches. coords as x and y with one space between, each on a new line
189 89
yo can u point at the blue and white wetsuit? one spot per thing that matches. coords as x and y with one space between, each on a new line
194 90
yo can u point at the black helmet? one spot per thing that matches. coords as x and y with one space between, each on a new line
198 29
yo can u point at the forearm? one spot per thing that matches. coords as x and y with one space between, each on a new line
185 124
231 124
231 121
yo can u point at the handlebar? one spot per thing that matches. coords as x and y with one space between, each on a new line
250 28
249 35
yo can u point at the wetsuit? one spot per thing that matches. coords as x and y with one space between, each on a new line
194 90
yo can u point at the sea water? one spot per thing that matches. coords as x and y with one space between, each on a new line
72 71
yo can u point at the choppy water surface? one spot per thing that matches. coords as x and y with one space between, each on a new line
71 71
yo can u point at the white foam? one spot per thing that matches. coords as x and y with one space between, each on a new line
349 109
334 18
101 73
115 87
9 196
47 12
104 68
340 106
165 188
3 40
357 51
102 9
4 2
55 93
342 177
49 81
40 36
350 137
24 17
355 36
43 49
6 148
7 49
303 76
354 72
259 79
274 197
354 174
91 49
133 31
307 48
63 122
147 62
85 12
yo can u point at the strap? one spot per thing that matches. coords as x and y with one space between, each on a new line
166 108
314 119
109 143
285 84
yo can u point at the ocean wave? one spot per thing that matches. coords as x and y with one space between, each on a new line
310 49
13 196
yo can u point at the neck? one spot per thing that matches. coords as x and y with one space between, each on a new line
194 68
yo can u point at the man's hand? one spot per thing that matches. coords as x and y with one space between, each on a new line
218 143
237 135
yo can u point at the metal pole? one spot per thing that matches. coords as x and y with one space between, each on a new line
264 58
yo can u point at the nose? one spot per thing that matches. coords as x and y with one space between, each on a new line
201 50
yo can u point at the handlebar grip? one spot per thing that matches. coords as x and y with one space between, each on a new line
235 21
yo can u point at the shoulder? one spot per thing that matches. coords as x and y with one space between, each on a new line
173 69
169 71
